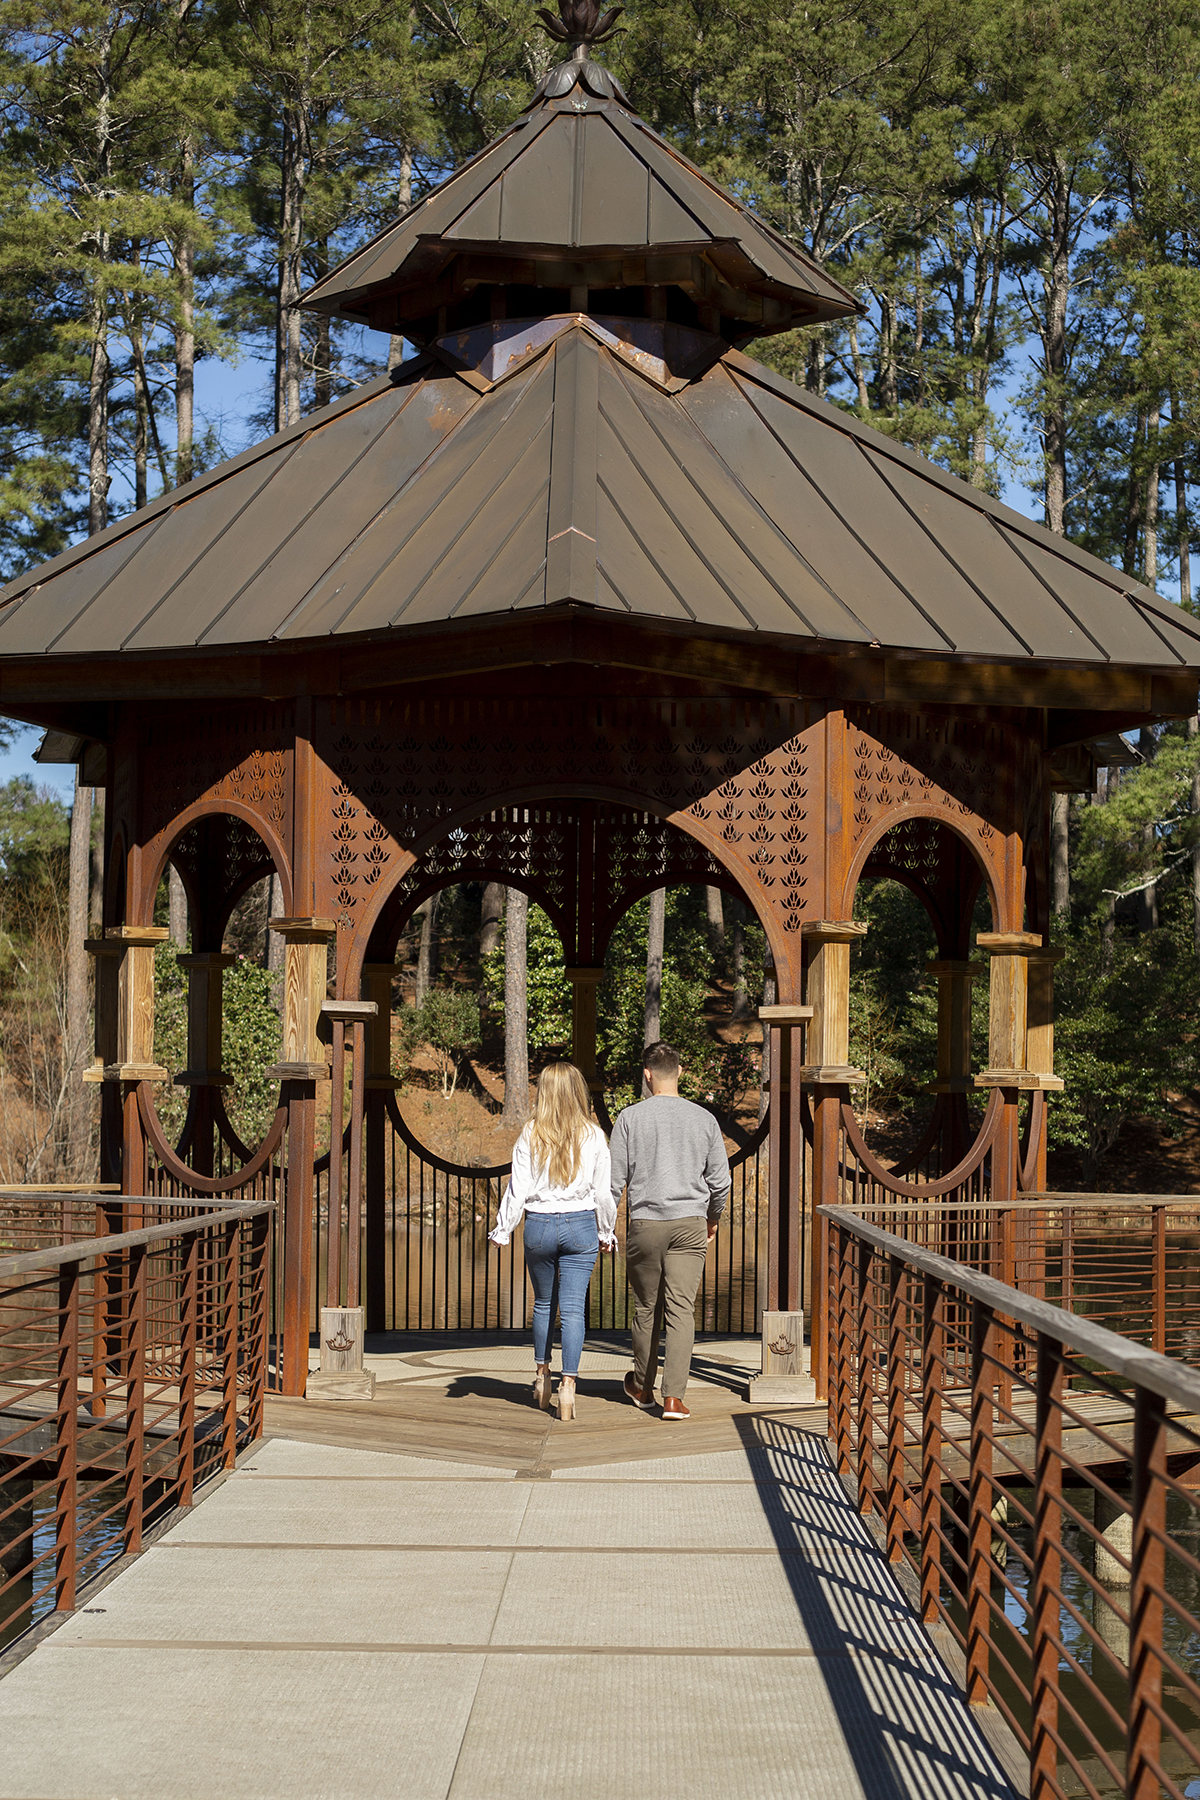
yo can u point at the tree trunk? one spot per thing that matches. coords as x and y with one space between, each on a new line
78 1108
741 1003
764 1080
96 860
1060 867
185 329
1054 347
516 1016
1147 900
656 925
715 902
427 950
177 908
1150 505
274 949
1193 730
291 274
141 432
1108 918
323 353
490 915
98 419
1185 542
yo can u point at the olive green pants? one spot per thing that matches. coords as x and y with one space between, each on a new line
665 1259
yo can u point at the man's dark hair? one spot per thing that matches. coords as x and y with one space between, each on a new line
661 1059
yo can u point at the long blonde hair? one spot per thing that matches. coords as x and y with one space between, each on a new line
560 1123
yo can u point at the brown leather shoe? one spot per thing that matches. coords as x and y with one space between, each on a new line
645 1401
675 1409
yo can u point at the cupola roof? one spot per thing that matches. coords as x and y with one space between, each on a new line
580 194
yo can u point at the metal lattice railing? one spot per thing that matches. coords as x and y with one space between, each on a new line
1033 1470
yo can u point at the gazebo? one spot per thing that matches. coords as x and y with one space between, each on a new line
584 599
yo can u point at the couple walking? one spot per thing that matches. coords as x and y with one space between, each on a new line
670 1156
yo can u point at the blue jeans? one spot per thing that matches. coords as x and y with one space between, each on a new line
560 1253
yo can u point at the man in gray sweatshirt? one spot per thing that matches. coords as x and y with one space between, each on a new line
670 1155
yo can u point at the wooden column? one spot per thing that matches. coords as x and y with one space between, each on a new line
377 980
136 945
302 1066
954 1079
1008 1013
206 980
342 1375
827 1068
584 983
1039 1040
781 1380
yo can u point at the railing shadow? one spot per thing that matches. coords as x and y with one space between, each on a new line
903 1718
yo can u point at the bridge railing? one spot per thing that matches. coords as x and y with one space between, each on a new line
1032 1470
133 1364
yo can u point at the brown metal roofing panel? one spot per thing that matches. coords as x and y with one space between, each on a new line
30 625
1181 630
516 573
434 215
481 449
1126 635
537 191
720 411
449 555
613 205
208 602
694 551
669 222
635 572
191 531
833 461
966 534
410 434
482 219
758 570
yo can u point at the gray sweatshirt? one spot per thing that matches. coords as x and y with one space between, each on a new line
671 1155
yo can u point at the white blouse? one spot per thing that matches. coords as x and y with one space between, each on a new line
531 1190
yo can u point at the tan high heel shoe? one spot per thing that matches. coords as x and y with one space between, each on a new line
541 1388
566 1399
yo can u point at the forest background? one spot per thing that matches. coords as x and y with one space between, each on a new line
1013 191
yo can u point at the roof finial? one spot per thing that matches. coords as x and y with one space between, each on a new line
580 24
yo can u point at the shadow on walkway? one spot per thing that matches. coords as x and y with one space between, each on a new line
904 1719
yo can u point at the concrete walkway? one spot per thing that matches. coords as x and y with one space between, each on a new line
338 1623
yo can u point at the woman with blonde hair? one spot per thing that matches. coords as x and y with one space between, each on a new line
560 1183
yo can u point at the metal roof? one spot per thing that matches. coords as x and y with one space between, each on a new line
588 471
580 175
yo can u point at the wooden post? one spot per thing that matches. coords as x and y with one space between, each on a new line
342 1376
134 947
782 1379
377 986
206 981
954 978
303 1065
584 983
1008 1006
304 981
828 1070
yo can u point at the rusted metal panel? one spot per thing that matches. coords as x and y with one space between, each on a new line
253 543
129 602
347 511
